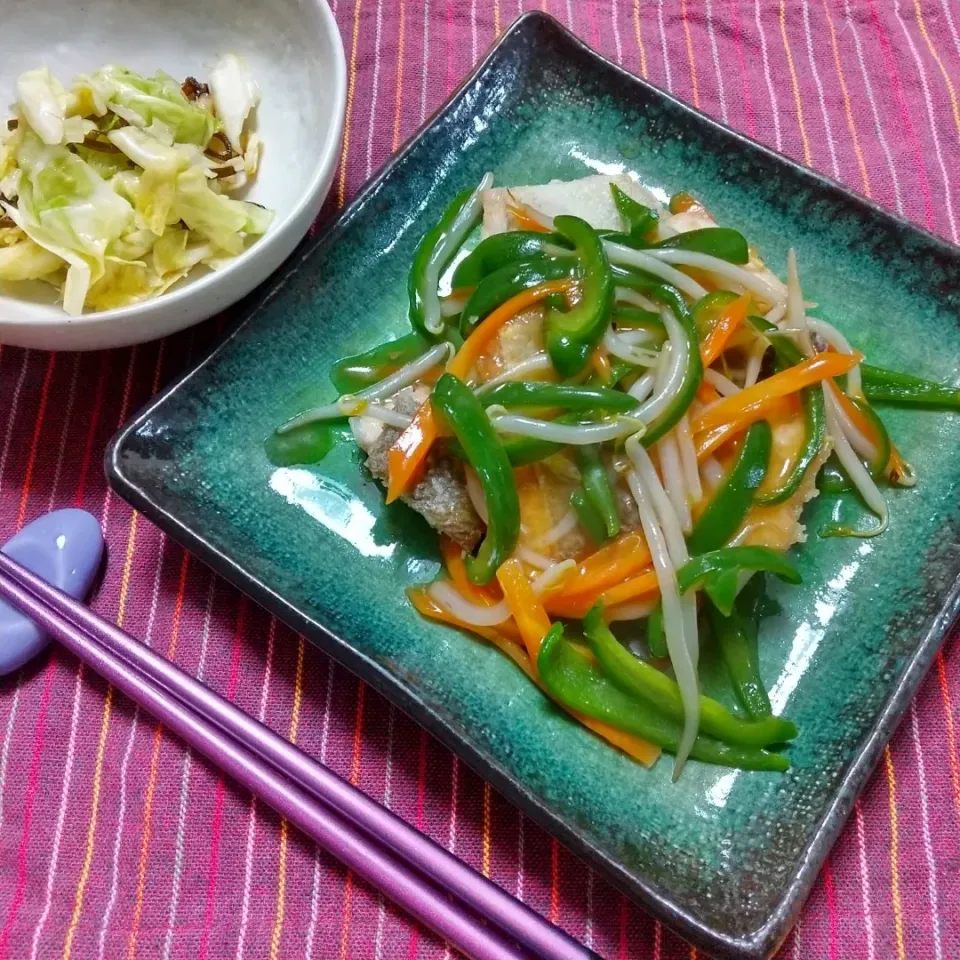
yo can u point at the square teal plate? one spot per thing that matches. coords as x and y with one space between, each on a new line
725 857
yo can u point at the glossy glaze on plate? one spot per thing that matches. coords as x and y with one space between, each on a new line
725 857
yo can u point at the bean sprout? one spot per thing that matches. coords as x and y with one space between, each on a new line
387 387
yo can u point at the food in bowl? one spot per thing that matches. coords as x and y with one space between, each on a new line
614 413
115 189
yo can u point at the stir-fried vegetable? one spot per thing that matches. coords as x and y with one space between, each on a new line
434 252
462 412
731 503
720 242
500 286
564 396
504 250
575 681
888 386
738 647
365 369
641 220
609 444
719 571
589 516
597 488
656 688
572 336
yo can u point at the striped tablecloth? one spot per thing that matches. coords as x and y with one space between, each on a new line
116 842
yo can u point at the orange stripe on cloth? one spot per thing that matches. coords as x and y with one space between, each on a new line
399 94
847 107
921 23
351 89
354 778
951 732
797 100
35 441
894 853
694 85
277 936
154 768
485 861
84 878
639 38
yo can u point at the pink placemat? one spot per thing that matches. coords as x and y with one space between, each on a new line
116 842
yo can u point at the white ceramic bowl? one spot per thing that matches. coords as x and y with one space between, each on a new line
294 51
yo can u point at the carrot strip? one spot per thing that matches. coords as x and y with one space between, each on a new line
707 393
506 636
525 606
641 750
406 456
709 440
524 220
723 330
640 586
896 465
452 553
611 564
812 370
601 363
408 453
485 331
577 607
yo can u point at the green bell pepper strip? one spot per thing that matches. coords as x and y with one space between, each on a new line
671 297
718 571
642 282
498 287
720 242
654 687
526 450
788 354
733 500
596 485
365 369
877 465
588 516
708 310
518 393
889 386
656 638
640 219
417 281
556 301
833 478
815 427
624 239
308 443
693 374
502 250
738 647
572 336
628 317
579 684
457 405
653 287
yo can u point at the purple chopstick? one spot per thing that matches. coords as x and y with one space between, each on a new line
138 669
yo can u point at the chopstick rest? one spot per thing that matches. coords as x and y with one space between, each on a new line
65 548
